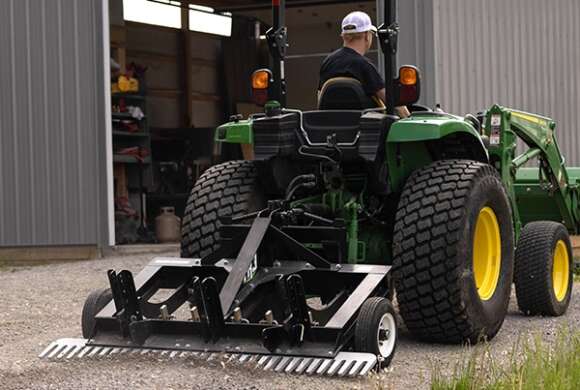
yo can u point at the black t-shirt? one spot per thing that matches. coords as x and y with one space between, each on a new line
346 62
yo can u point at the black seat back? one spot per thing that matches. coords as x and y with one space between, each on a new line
344 93
321 124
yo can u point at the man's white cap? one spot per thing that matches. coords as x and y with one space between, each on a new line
357 22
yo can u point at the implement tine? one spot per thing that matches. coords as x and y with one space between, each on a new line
67 348
283 363
272 363
343 364
294 362
303 365
56 350
75 351
49 348
335 367
356 368
84 352
263 360
313 366
345 369
324 366
94 351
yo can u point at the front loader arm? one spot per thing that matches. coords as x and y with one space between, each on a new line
503 126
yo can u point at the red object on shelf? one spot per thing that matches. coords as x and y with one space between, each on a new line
136 151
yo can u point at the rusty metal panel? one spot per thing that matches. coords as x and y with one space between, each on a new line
517 53
52 145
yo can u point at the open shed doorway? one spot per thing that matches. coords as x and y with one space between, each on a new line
169 91
178 70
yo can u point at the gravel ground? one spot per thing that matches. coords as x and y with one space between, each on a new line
41 304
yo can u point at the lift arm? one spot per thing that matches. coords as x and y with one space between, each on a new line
503 126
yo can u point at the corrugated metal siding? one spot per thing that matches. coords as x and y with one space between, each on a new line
52 147
416 45
523 54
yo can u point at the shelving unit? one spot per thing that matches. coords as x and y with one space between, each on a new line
133 175
125 139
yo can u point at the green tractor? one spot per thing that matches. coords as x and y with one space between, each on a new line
291 260
443 199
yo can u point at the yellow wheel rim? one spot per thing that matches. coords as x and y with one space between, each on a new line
486 253
560 271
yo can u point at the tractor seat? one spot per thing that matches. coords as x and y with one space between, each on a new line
345 93
319 125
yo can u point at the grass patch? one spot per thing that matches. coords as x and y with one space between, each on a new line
577 270
531 365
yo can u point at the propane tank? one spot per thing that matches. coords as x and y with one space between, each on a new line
167 225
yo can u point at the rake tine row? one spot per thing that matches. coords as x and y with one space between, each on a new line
344 364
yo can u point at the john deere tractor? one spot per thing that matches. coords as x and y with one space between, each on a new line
292 259
443 199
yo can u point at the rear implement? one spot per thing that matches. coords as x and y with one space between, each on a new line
250 302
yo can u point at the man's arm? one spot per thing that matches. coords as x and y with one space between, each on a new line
402 111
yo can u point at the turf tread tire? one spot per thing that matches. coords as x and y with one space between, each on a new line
94 303
435 286
227 189
533 269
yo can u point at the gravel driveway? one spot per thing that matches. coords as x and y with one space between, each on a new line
40 304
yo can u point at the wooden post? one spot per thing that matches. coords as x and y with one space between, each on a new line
119 42
187 65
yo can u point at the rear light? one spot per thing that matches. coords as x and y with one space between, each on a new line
261 80
408 86
408 75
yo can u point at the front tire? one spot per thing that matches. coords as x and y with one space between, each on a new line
543 269
453 252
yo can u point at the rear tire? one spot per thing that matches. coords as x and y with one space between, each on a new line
448 290
376 330
543 269
227 189
94 303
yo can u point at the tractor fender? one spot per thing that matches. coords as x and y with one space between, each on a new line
426 126
424 137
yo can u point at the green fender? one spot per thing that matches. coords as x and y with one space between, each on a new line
419 140
235 132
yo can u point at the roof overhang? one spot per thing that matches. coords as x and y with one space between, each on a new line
248 5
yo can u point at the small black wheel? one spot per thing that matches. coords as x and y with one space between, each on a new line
94 303
543 269
376 330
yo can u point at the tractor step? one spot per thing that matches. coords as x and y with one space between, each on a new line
344 364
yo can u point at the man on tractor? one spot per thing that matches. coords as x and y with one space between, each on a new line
350 61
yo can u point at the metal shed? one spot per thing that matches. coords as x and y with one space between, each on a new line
55 148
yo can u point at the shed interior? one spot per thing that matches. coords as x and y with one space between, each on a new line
171 86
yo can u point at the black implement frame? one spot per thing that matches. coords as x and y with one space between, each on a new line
279 296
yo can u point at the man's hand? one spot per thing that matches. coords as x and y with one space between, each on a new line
403 112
